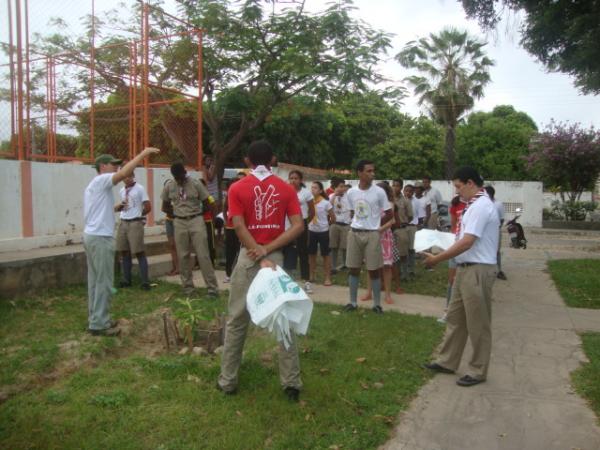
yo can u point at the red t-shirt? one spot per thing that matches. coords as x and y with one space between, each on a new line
264 205
456 211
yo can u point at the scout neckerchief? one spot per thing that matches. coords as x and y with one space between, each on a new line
481 193
318 200
127 189
261 172
182 193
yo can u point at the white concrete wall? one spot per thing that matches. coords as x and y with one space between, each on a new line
10 199
58 202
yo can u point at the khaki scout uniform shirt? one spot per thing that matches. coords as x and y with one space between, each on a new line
187 199
405 209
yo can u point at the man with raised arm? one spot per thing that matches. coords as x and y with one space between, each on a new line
98 240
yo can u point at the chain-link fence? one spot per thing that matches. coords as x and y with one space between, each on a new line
82 81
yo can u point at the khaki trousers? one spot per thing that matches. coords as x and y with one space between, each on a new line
237 326
470 315
191 235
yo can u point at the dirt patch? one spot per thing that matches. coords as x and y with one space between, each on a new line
150 336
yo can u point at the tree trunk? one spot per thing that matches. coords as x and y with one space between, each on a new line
449 150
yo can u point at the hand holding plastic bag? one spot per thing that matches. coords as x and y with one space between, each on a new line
277 303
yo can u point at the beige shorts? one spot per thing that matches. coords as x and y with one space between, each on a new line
433 222
130 237
338 236
402 238
364 246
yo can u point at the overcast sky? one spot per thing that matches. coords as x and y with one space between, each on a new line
517 79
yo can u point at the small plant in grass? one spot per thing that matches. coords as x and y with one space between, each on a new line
189 317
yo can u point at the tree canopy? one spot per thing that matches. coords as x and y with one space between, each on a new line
566 157
454 70
563 35
496 142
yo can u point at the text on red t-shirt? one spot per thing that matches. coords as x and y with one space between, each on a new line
264 205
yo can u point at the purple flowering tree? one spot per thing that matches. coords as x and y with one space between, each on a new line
566 157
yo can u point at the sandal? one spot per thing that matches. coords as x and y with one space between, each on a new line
366 298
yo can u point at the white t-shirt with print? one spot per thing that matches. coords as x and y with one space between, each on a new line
98 204
480 220
367 206
136 195
320 222
341 209
304 196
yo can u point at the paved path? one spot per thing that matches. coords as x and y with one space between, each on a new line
528 402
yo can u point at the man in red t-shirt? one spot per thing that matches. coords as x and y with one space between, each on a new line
258 205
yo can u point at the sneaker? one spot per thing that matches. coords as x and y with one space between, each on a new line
108 332
377 309
226 279
125 284
501 275
292 393
226 392
350 307
145 287
212 294
443 318
308 287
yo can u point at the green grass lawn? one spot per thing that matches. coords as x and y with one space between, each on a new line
577 281
425 282
359 371
587 378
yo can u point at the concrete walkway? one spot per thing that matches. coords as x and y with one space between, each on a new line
527 402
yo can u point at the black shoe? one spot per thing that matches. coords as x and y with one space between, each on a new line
109 332
292 393
212 294
145 287
501 276
350 307
435 367
377 309
468 380
226 392
125 284
334 271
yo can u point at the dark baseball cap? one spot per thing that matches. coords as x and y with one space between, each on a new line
107 159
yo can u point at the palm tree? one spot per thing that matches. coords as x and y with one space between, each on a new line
455 70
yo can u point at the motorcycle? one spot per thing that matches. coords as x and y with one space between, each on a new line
516 233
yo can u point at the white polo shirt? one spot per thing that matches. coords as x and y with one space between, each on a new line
480 220
135 196
367 206
98 204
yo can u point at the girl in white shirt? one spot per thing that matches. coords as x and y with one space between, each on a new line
318 232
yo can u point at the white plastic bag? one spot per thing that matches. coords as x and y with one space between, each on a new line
428 239
277 303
